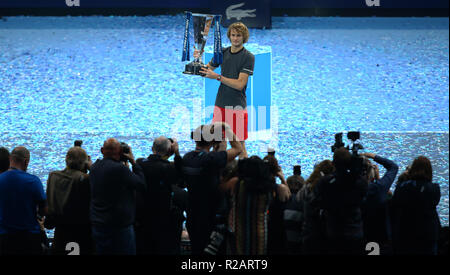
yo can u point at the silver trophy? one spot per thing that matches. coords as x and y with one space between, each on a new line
201 23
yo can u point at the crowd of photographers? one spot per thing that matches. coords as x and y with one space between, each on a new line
225 206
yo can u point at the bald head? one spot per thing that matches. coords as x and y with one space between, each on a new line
161 146
20 157
111 149
20 153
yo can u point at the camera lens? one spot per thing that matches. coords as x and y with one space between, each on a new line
125 148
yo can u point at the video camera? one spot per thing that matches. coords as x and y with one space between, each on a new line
356 167
125 150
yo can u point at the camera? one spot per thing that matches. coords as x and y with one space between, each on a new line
216 240
297 170
353 136
217 237
77 143
125 150
337 142
356 166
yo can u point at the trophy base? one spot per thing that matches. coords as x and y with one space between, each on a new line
193 68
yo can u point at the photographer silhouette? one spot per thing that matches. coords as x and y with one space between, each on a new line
340 197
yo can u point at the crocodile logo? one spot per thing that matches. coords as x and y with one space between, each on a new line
233 12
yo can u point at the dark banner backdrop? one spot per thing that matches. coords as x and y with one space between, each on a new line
201 4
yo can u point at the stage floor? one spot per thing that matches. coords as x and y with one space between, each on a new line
90 78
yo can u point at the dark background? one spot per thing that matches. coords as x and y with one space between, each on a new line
277 8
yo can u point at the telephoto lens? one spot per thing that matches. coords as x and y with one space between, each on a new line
125 150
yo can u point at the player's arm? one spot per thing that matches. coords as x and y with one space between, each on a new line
237 84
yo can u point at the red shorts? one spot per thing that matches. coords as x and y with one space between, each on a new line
237 119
